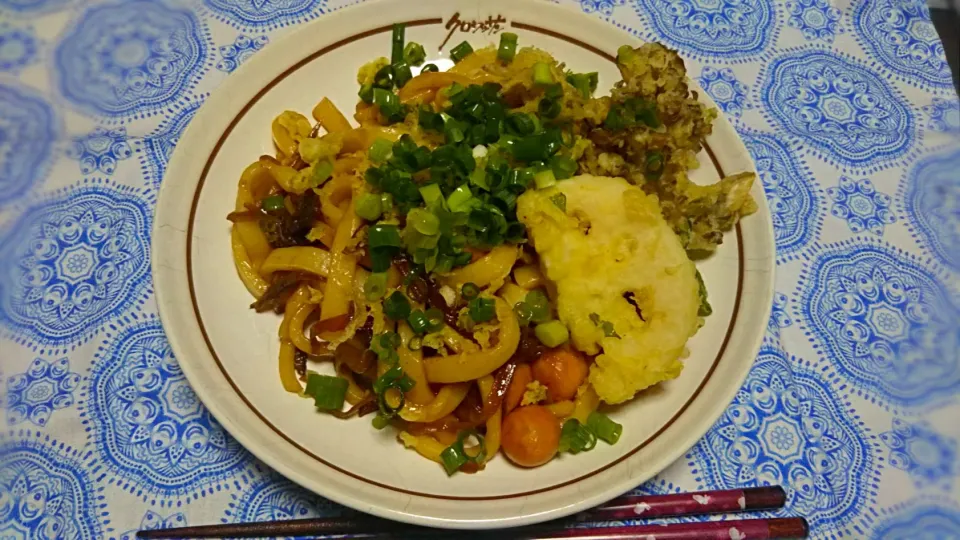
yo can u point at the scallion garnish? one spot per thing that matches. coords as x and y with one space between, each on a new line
401 74
429 68
375 286
414 54
539 305
369 207
396 306
384 78
392 378
469 291
552 333
544 179
389 104
434 319
418 321
272 203
563 167
455 456
604 428
481 309
586 83
321 172
423 221
541 74
328 392
508 47
549 108
431 194
461 51
397 40
415 343
380 151
576 438
366 93
459 200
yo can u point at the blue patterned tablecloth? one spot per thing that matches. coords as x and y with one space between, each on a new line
846 106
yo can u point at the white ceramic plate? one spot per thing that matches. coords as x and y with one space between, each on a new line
229 353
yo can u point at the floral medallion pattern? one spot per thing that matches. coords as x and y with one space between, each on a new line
73 261
148 424
45 387
131 59
884 321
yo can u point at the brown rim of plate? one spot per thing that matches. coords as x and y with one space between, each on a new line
226 375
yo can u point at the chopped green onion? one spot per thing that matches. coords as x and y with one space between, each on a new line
434 319
322 171
481 309
401 74
705 308
508 47
615 119
549 108
544 179
523 123
459 200
560 201
272 203
381 235
523 312
625 53
552 334
385 347
605 429
576 438
368 207
563 167
396 306
380 151
553 91
366 93
539 305
414 54
386 202
454 456
328 392
423 221
375 286
380 421
541 74
586 83
389 103
418 321
429 68
383 79
398 37
431 194
392 378
469 291
461 51
415 343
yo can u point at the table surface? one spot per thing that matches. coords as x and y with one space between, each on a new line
846 106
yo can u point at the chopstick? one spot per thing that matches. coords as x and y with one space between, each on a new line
621 508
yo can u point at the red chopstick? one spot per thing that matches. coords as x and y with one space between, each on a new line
621 508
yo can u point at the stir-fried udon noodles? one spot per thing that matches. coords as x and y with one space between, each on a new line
493 254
